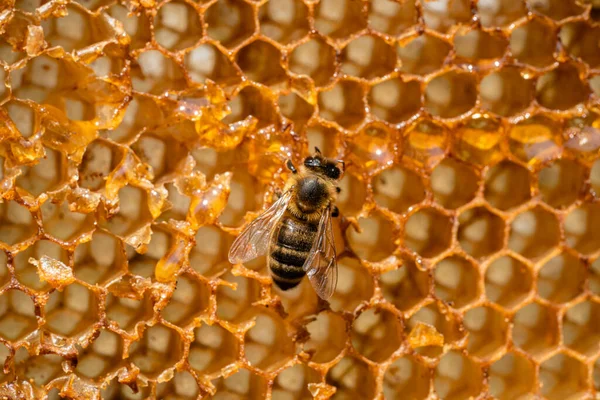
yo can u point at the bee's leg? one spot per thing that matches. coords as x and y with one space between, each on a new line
335 212
291 166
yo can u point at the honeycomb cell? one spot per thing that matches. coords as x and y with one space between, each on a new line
506 92
296 109
582 229
239 25
214 348
283 20
373 230
406 377
17 315
354 286
550 88
368 57
189 301
440 318
579 328
252 101
236 305
327 139
177 26
443 14
183 386
158 350
133 214
395 100
556 9
339 19
261 62
64 31
423 54
128 312
209 255
478 140
479 46
481 232
507 185
535 329
534 233
327 337
373 146
245 196
398 189
533 43
38 370
512 377
27 273
102 357
45 176
428 232
267 345
292 383
155 73
241 385
454 184
508 282
314 58
371 328
581 41
206 61
406 286
61 223
561 183
16 223
344 104
353 380
456 281
99 160
488 332
72 311
563 376
425 143
451 94
390 17
457 377
562 278
23 116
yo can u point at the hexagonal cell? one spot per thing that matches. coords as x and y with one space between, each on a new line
456 281
406 286
426 143
296 109
479 46
339 19
283 20
246 195
535 139
47 175
133 213
550 91
209 255
353 379
481 232
63 224
99 160
488 332
183 386
158 350
327 337
581 41
441 15
533 43
440 317
506 92
453 183
457 377
177 26
534 233
343 103
16 223
236 305
428 232
261 62
390 17
292 383
368 57
155 73
206 61
72 311
372 148
314 58
395 100
406 378
507 185
327 139
267 345
478 140
213 349
23 116
535 329
136 26
144 265
556 9
355 285
27 273
374 327
64 32
562 278
561 183
375 241
398 189
189 301
508 282
160 154
511 377
254 101
237 27
563 377
580 329
451 94
37 370
103 357
17 315
128 312
582 230
422 54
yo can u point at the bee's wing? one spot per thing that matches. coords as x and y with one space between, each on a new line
321 265
254 240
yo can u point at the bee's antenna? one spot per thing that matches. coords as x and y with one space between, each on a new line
343 164
317 150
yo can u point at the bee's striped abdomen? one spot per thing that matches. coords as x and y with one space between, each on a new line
289 250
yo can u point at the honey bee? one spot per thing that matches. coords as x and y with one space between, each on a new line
296 230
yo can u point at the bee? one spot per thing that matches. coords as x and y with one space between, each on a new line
296 230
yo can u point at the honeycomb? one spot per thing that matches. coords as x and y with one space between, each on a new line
139 137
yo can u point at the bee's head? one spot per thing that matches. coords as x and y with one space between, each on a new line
324 166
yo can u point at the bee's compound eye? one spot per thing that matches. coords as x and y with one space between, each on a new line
311 162
333 172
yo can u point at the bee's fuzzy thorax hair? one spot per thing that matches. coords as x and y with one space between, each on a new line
307 210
